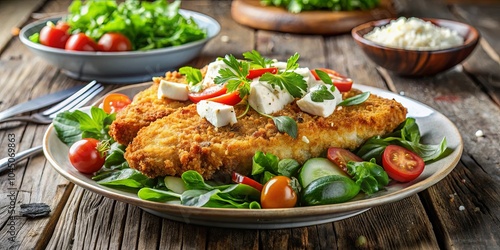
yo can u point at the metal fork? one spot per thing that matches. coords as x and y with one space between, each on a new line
77 100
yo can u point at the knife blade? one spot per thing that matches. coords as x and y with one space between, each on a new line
39 102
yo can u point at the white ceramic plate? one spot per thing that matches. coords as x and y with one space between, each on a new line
433 126
121 67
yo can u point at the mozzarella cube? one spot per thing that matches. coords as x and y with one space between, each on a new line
217 114
212 72
266 99
324 108
173 90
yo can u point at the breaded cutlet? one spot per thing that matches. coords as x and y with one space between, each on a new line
183 141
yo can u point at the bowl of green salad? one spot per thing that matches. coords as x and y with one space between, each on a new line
120 43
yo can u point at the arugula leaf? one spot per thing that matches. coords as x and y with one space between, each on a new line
257 60
322 94
355 100
194 78
73 126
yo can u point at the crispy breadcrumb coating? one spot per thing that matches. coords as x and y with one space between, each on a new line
183 141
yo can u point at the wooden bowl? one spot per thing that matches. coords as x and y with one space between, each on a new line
407 62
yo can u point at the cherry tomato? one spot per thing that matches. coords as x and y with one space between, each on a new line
402 164
112 42
343 83
85 156
239 178
232 98
115 102
254 73
62 26
212 91
80 42
54 36
278 193
341 157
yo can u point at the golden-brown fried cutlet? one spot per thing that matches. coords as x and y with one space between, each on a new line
183 141
144 109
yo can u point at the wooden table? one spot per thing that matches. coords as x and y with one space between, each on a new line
459 212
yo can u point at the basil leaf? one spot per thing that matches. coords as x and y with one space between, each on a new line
197 198
194 180
355 100
288 167
321 94
324 76
368 175
126 178
264 162
287 125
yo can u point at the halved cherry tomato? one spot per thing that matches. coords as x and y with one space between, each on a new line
254 73
232 98
115 102
84 155
80 42
113 42
343 83
341 157
278 193
402 164
212 91
54 36
239 178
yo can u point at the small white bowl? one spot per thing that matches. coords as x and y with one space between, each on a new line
120 67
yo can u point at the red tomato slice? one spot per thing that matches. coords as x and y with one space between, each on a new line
113 42
232 98
402 164
212 91
254 73
115 102
341 157
343 83
239 178
80 42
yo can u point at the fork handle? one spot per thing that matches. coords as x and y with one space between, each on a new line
4 163
25 118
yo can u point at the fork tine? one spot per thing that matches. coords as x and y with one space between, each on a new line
81 101
68 100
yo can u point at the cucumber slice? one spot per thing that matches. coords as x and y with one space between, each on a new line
315 168
329 190
175 184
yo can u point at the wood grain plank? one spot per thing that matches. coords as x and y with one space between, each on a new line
10 23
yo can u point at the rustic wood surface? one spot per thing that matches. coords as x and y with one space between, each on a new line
459 212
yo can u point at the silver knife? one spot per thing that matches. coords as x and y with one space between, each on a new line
38 103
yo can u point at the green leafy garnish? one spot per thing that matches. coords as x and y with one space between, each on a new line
406 135
257 60
323 76
368 175
322 94
235 77
193 77
296 6
293 82
73 126
265 166
355 100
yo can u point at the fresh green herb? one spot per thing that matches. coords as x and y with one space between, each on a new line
73 126
257 60
193 77
293 82
324 77
235 77
368 175
322 94
296 6
128 179
355 100
406 135
152 194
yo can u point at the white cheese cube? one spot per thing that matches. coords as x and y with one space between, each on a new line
212 72
217 114
324 108
173 90
267 100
